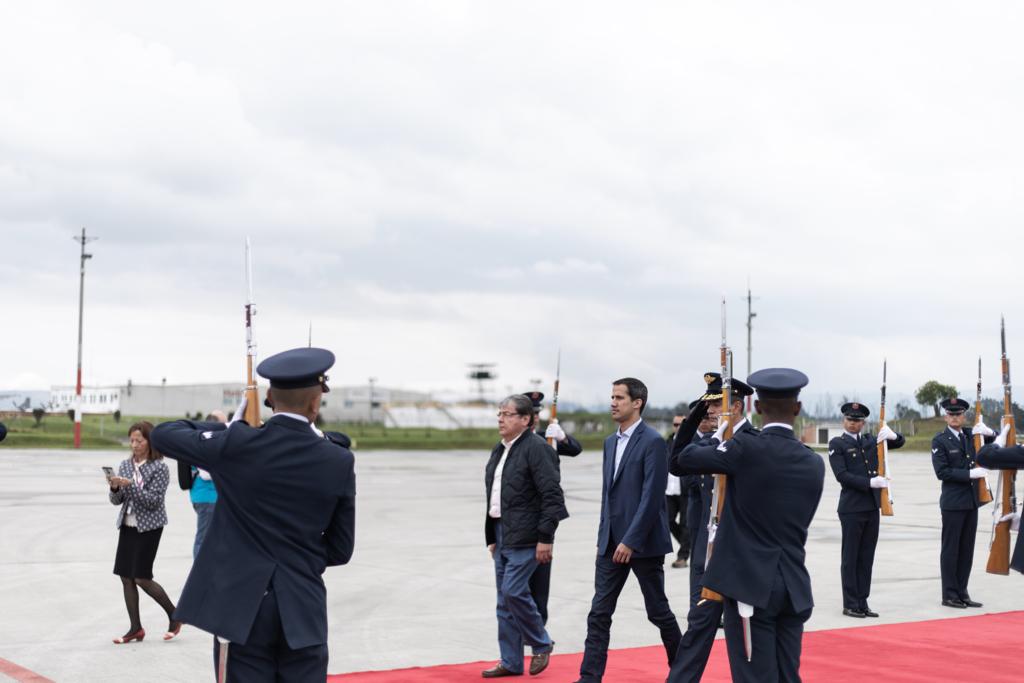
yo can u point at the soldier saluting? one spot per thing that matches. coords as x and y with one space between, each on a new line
954 461
758 565
285 512
854 461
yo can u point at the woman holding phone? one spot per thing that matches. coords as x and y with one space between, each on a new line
139 488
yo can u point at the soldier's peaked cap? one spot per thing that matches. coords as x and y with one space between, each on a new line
778 382
857 411
297 368
535 397
954 405
714 390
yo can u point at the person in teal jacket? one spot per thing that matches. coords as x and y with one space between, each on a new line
201 491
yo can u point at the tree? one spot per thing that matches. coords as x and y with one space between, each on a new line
905 412
38 414
117 416
71 415
931 392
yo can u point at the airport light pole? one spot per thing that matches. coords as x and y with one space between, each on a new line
83 240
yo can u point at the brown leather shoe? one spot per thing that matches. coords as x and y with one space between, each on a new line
498 671
540 662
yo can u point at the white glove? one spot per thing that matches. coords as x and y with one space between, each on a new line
1003 434
978 472
203 474
983 429
879 482
239 411
886 434
719 434
554 431
1013 518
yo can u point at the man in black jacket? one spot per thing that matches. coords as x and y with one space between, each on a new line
953 460
524 506
854 461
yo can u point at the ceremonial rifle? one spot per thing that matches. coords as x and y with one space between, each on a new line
718 496
883 449
554 401
252 395
984 493
999 550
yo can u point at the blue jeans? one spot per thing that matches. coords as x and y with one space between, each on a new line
519 622
204 513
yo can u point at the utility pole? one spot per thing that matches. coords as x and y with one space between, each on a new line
83 240
750 327
372 381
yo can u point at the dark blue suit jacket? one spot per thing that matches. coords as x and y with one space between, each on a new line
772 492
854 462
633 503
285 512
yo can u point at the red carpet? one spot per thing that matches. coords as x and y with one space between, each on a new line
983 648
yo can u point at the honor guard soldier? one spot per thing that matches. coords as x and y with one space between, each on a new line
854 461
285 512
774 484
540 582
997 455
953 459
705 616
565 444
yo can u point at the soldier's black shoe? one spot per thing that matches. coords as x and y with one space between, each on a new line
867 612
971 603
953 602
856 613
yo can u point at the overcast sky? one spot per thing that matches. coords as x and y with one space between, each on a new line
433 184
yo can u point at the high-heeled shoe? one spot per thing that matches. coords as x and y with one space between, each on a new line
130 636
174 630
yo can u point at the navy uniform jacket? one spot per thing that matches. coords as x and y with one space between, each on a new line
952 464
773 489
633 508
1011 458
285 512
855 462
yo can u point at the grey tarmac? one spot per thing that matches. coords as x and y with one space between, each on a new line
420 587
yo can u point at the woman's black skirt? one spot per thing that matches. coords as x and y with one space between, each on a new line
136 552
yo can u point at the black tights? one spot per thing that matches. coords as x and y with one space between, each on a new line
131 600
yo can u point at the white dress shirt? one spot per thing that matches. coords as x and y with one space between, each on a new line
777 424
495 511
620 447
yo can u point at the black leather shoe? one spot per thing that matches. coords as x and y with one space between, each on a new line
971 603
954 603
540 662
498 671
856 613
866 611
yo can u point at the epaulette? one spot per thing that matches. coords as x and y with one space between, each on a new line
339 438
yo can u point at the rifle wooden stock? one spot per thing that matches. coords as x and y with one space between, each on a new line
984 494
554 415
999 553
885 500
720 479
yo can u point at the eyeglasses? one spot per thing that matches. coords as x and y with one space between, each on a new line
509 414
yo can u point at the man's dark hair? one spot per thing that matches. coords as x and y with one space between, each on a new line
522 405
636 390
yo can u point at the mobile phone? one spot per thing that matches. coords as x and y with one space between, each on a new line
108 472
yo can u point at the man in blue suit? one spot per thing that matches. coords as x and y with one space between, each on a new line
285 512
633 534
